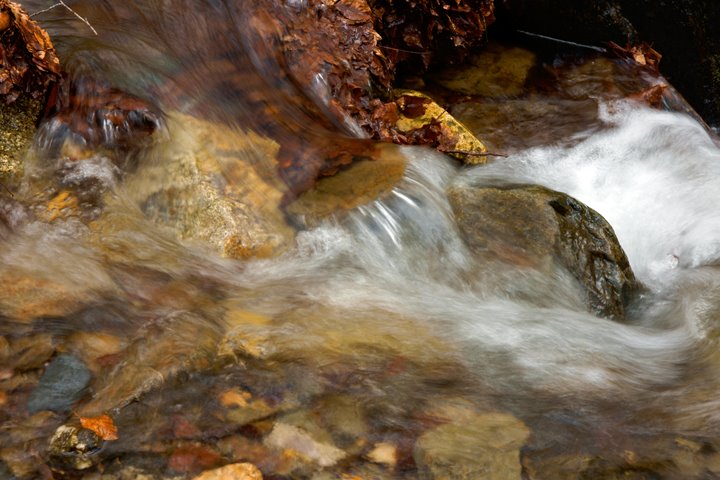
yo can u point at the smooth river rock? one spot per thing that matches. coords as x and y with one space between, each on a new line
474 447
532 225
63 383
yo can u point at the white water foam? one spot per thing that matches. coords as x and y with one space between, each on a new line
651 174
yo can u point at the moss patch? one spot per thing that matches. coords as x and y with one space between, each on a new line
17 127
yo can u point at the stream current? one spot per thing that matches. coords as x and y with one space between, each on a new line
386 304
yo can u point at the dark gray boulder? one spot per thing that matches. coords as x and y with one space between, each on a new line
63 383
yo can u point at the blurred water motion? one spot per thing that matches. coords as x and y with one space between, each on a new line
384 304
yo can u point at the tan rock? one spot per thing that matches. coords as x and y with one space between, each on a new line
217 185
89 346
688 458
242 408
4 347
235 471
360 183
384 453
479 446
244 336
713 463
63 205
51 274
497 71
289 437
24 298
30 352
245 341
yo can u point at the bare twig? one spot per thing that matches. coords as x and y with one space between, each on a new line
424 52
8 190
475 154
61 3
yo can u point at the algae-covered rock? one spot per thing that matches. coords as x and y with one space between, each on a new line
217 185
533 225
475 446
497 71
420 116
17 127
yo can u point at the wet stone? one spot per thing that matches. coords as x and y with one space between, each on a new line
498 71
477 446
214 185
384 453
289 437
508 126
360 183
533 225
241 408
5 472
345 417
62 275
559 467
92 346
71 446
239 448
29 352
63 383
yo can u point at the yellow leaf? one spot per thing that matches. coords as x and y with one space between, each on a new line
103 426
63 204
234 399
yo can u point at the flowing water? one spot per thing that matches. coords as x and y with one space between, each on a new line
382 311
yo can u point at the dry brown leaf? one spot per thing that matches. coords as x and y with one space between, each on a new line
103 426
642 54
30 63
62 205
651 96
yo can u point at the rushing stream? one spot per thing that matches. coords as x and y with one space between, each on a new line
373 326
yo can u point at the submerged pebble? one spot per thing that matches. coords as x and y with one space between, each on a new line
479 446
63 383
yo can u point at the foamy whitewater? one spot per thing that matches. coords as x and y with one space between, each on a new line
653 175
